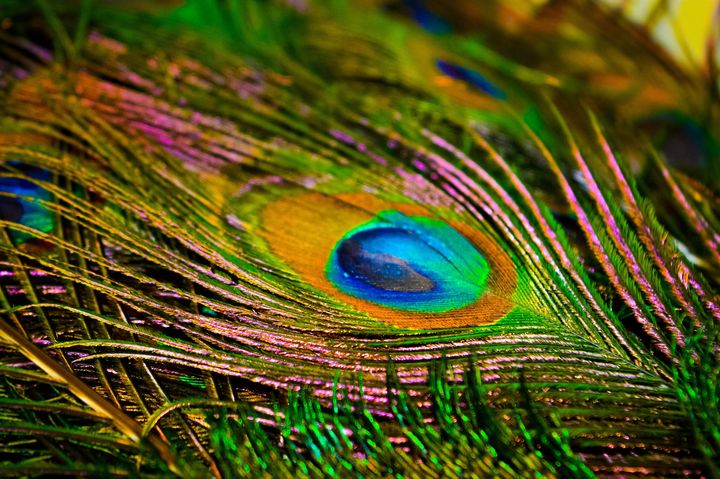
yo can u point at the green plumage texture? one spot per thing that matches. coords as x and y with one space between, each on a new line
179 179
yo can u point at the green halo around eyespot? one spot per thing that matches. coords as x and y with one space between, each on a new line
410 263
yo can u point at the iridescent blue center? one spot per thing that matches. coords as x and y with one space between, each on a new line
408 263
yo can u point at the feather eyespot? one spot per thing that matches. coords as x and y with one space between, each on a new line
471 78
397 262
20 202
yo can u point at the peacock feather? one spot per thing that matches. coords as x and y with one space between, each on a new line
359 238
